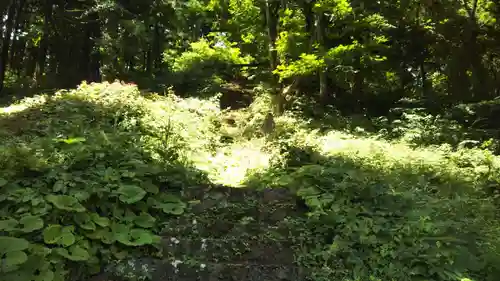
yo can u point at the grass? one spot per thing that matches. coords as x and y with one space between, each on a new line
379 209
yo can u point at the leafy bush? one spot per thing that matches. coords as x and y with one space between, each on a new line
307 64
371 228
416 127
88 180
477 115
205 67
386 211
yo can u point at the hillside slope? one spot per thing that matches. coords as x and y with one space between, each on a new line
104 173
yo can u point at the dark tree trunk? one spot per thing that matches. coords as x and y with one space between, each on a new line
481 87
307 10
156 48
357 86
4 55
323 75
148 60
44 43
272 20
30 62
16 44
94 63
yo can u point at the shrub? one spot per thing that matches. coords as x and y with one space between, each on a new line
386 211
87 181
205 67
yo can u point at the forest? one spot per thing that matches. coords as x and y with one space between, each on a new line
349 140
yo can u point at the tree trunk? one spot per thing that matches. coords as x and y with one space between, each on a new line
156 48
272 20
44 43
423 77
357 86
148 61
16 44
481 87
4 55
94 65
307 11
323 75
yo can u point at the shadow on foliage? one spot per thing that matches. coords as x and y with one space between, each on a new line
82 184
370 223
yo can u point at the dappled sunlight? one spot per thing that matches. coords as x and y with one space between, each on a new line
268 140
338 142
362 190
24 104
392 156
230 165
118 141
13 108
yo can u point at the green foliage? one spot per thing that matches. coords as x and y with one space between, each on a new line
94 173
88 200
418 128
307 64
384 211
206 65
339 8
388 232
202 53
89 175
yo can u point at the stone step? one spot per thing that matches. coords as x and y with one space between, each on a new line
232 211
232 194
249 249
160 270
207 227
234 272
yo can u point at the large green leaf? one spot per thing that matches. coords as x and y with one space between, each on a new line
67 238
8 224
58 186
18 275
121 232
101 221
15 258
133 237
108 237
140 237
3 182
85 221
103 234
119 253
145 220
57 234
130 193
74 253
173 208
150 187
65 202
31 223
46 275
39 250
80 195
52 233
12 244
168 203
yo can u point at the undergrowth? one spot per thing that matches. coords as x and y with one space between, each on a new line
90 175
382 210
87 177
